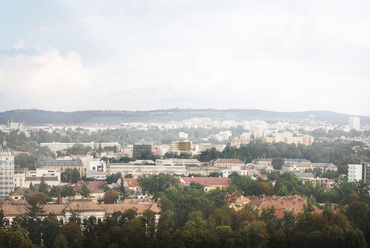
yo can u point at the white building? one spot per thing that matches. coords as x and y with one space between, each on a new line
140 170
23 178
96 169
6 174
183 135
354 172
354 123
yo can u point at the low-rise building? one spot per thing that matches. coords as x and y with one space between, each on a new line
221 162
201 170
96 169
324 167
209 183
84 208
140 170
177 161
290 202
49 163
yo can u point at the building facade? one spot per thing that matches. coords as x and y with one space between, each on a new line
354 172
354 123
6 174
179 147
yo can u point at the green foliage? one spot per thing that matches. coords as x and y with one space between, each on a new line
67 190
154 184
85 191
36 203
110 197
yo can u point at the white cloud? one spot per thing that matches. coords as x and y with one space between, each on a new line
19 44
48 72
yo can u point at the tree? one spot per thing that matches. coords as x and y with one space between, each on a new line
277 163
75 175
18 237
157 183
72 233
110 196
85 191
43 186
36 204
50 229
67 190
61 242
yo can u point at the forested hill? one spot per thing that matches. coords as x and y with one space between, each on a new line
41 117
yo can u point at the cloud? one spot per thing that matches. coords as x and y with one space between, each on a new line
48 72
19 44
48 79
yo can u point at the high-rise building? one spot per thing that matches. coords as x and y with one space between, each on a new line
6 174
354 172
354 123
366 172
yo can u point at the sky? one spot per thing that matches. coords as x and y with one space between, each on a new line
281 55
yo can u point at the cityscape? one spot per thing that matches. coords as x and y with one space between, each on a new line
176 124
256 168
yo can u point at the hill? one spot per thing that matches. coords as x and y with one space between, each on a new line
41 117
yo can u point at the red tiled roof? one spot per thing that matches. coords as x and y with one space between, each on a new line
131 182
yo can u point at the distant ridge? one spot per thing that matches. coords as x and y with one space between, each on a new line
115 117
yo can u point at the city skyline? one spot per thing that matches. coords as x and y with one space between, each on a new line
143 55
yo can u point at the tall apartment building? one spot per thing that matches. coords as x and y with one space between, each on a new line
354 172
6 174
366 172
354 123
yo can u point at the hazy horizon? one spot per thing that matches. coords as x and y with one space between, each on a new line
283 56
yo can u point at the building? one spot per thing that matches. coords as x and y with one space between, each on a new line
220 162
183 135
140 170
366 172
268 161
237 143
354 172
142 147
6 174
204 146
96 169
209 183
288 203
177 161
48 162
324 167
128 151
83 208
354 123
262 161
201 170
179 147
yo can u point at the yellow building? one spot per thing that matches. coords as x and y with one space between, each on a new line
179 147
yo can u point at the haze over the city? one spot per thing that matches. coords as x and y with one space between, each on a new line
140 55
